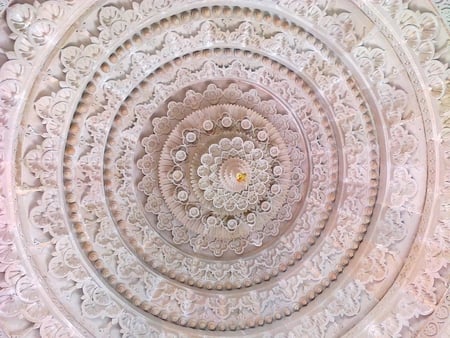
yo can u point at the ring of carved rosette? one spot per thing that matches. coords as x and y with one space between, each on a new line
243 272
209 208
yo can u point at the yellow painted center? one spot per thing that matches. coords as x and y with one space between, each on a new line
241 177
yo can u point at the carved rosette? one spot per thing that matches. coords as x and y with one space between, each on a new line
223 182
175 168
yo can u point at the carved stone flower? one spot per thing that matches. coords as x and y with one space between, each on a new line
154 204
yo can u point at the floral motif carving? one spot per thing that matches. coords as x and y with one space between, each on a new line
33 26
250 147
353 90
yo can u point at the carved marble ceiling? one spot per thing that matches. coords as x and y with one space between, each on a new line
188 168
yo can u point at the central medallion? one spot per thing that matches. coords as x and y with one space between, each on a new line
235 174
224 173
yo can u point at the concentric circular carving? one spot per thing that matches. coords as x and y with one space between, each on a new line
254 270
185 169
224 173
172 165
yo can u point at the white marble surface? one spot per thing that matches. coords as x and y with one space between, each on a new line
124 126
